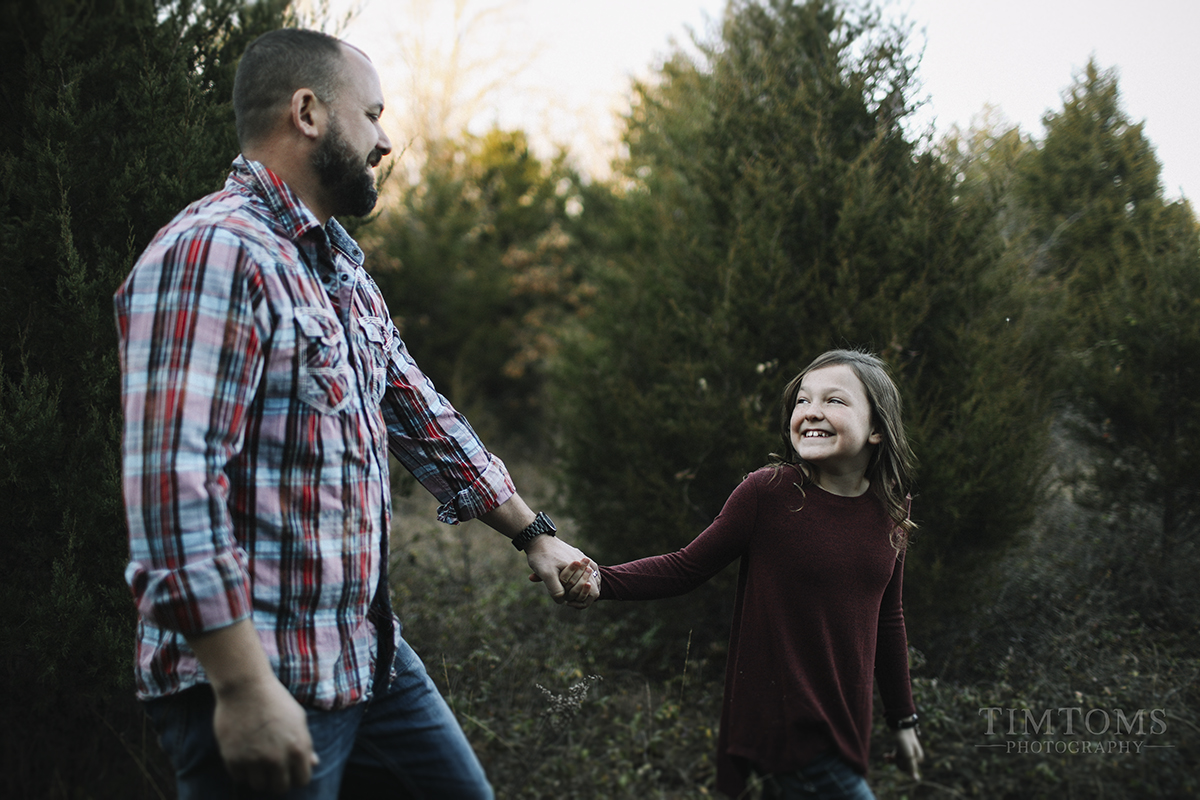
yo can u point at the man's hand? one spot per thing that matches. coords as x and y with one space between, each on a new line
261 731
547 555
909 752
263 736
550 558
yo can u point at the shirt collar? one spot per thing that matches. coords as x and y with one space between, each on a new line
344 242
287 207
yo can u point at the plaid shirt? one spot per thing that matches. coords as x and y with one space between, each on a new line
263 384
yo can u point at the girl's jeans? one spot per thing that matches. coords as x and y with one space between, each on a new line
405 741
828 777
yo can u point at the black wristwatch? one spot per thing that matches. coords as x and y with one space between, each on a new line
904 723
542 524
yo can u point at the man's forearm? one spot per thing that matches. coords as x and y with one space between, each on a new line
232 657
261 731
547 555
510 517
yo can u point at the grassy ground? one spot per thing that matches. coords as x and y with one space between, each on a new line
558 703
623 701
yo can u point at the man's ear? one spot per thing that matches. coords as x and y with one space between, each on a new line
307 113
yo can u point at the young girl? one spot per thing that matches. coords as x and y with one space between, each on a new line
821 534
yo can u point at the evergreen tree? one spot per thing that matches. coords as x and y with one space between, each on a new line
1091 188
117 115
1124 264
480 261
778 209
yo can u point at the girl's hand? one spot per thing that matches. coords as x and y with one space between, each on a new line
909 752
580 580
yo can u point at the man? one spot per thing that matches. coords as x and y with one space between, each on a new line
263 385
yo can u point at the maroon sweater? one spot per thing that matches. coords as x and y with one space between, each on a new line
817 614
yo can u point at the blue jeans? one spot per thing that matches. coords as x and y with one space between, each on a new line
828 777
405 743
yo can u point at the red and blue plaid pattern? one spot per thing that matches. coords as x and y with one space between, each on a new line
263 385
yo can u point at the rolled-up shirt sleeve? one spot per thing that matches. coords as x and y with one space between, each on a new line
437 445
191 362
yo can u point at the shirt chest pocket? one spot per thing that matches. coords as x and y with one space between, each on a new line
324 377
377 347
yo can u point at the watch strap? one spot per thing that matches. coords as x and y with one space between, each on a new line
541 525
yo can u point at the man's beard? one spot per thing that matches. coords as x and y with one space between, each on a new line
347 180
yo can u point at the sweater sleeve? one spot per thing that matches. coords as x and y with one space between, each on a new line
891 650
679 572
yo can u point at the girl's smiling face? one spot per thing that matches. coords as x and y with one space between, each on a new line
832 423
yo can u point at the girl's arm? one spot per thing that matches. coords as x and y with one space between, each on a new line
672 574
668 575
891 671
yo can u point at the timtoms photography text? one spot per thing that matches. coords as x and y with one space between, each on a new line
1074 730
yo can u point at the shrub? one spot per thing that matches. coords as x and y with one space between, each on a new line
777 208
117 115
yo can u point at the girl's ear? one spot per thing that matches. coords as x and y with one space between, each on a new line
876 435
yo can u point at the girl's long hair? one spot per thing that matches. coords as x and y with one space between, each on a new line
893 464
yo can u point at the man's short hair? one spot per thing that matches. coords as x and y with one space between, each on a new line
273 67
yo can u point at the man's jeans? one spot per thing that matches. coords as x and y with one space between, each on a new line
407 737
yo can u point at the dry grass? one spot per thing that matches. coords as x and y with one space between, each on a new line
647 726
622 701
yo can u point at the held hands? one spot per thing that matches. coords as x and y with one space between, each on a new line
262 733
547 555
908 753
582 576
566 571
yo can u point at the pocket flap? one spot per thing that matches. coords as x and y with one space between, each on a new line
317 323
373 329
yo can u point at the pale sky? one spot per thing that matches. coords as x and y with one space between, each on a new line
565 66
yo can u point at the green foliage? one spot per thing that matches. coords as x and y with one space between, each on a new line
1124 265
1063 630
1137 386
963 761
776 210
1097 607
480 262
1091 187
118 116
